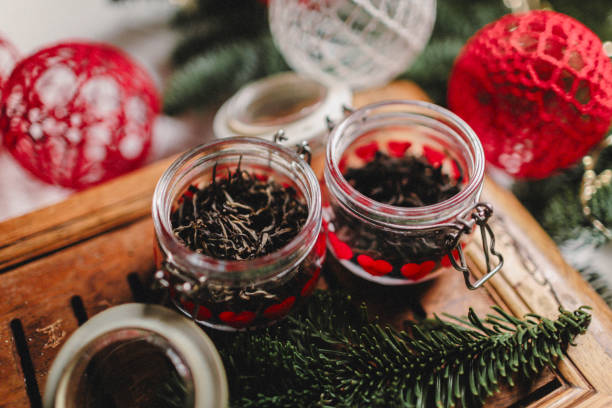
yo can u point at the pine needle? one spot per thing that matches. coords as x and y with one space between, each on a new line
329 354
216 74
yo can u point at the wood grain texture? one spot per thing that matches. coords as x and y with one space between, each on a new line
536 279
79 217
88 244
39 294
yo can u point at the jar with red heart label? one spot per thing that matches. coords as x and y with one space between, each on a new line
245 291
404 180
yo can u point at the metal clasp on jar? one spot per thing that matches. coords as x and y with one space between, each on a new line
186 285
302 149
477 214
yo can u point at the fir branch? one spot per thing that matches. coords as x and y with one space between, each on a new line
210 34
555 204
216 74
331 355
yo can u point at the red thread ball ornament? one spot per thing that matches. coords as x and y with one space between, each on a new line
536 88
77 114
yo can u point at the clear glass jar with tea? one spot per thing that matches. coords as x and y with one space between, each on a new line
404 179
239 236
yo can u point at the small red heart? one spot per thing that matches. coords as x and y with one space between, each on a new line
409 270
309 286
365 261
367 151
417 271
398 149
261 177
427 267
342 250
377 267
238 320
433 156
279 310
204 313
188 305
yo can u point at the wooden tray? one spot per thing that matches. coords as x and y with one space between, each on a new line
69 261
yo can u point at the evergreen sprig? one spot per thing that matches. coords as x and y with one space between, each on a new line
555 204
225 44
230 65
332 355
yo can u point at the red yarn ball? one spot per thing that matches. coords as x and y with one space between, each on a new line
536 88
8 58
77 114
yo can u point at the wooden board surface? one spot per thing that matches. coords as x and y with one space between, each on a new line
63 263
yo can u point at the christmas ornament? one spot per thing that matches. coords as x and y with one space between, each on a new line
8 58
77 114
363 43
536 88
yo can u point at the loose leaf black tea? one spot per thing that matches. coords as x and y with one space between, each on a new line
403 180
406 181
239 217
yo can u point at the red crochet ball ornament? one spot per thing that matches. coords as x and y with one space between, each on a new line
77 114
536 88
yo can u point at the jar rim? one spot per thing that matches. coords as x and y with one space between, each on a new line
396 214
183 256
190 344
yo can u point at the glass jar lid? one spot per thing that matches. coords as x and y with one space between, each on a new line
137 355
296 103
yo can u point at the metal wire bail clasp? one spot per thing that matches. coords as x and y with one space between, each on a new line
182 282
477 214
302 149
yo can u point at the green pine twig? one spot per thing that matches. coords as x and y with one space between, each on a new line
555 204
219 72
217 24
330 354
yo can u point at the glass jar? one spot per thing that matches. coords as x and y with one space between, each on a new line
137 355
394 245
234 295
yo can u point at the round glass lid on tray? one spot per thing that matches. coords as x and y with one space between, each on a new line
137 355
298 104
